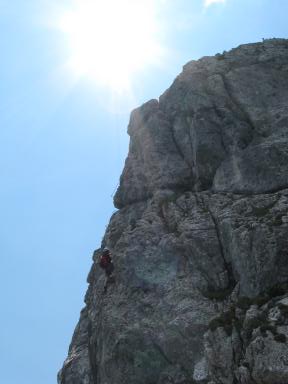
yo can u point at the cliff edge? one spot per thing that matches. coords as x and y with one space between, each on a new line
200 241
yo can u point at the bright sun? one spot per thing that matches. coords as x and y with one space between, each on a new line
111 40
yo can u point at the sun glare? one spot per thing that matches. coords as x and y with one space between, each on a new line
110 41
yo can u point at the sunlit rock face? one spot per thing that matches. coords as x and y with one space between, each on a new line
221 126
200 241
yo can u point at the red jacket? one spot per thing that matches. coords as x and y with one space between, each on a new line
105 260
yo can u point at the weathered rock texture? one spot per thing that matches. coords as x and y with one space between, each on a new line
200 240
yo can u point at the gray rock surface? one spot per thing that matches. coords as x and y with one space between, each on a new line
200 238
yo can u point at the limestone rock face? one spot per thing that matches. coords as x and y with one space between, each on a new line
200 241
222 125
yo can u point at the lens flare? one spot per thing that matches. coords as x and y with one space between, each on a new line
110 41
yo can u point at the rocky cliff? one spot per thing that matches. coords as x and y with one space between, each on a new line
200 240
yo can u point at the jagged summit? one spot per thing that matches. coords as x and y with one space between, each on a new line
200 242
215 128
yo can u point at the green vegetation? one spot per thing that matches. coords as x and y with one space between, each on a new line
280 338
225 320
169 198
245 302
260 211
278 289
284 309
220 56
218 295
277 221
267 327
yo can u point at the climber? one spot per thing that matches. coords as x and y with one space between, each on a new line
107 264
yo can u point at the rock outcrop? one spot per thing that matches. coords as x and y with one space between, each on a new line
200 241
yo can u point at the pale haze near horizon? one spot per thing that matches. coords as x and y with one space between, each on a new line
63 145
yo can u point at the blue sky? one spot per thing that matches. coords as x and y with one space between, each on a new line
63 145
